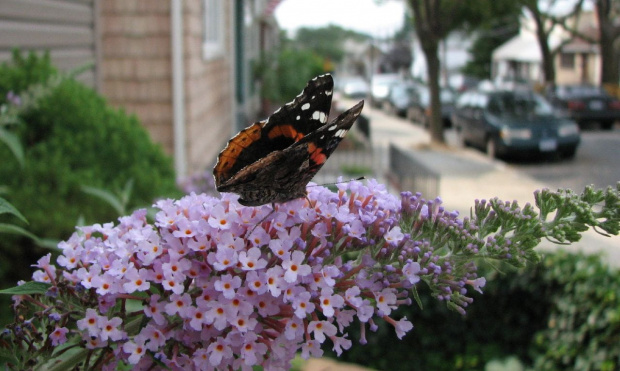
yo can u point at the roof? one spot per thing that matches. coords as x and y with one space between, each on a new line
522 48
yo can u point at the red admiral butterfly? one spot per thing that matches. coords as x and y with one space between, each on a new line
273 160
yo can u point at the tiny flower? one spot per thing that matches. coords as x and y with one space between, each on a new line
110 329
293 266
394 236
252 259
179 304
478 283
90 323
302 305
219 350
59 336
135 351
411 270
136 281
227 285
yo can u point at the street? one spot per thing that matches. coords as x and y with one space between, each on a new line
597 162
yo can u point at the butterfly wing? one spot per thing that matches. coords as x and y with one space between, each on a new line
283 175
289 124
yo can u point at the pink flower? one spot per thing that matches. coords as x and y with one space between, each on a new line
59 335
293 266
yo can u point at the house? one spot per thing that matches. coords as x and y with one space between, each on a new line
184 67
576 59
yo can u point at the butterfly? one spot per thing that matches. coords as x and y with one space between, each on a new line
273 160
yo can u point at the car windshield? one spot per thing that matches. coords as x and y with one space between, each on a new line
580 90
401 90
446 96
519 105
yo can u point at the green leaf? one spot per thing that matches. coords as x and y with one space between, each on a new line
13 229
12 141
27 288
7 208
416 296
8 356
106 196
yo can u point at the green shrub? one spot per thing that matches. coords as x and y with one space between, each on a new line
71 138
562 314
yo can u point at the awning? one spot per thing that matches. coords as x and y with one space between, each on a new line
522 48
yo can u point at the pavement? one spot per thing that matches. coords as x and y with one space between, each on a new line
466 174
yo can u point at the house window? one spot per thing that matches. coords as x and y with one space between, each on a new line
567 61
213 34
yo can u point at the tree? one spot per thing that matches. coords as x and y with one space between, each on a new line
608 12
433 21
490 36
326 42
432 24
546 22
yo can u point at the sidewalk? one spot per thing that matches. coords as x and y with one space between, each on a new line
466 174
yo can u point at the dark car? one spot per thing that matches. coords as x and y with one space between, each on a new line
420 110
585 103
400 98
514 123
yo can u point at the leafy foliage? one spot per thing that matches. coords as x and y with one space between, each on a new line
294 67
560 314
327 42
70 138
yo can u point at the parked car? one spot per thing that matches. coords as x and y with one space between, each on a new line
380 87
585 103
354 87
400 98
420 110
514 123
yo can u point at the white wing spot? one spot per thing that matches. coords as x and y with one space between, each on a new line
305 106
341 133
333 127
320 116
322 137
298 117
328 93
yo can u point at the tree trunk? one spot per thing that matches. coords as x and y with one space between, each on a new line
427 15
610 60
433 66
545 52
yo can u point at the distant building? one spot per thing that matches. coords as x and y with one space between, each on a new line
182 66
577 60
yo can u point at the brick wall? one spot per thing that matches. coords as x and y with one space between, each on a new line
137 75
136 62
208 87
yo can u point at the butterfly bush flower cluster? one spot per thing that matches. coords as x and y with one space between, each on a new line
214 285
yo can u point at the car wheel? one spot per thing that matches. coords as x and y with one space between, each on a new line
458 136
607 125
569 153
410 114
491 147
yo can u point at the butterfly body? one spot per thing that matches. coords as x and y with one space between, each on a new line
273 160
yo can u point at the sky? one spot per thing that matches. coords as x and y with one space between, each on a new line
376 18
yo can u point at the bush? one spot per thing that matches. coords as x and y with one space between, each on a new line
71 138
562 314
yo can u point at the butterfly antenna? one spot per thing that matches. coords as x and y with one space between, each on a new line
273 210
335 183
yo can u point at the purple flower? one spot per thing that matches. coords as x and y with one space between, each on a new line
220 285
59 336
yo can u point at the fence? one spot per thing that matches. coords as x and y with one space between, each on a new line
408 174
